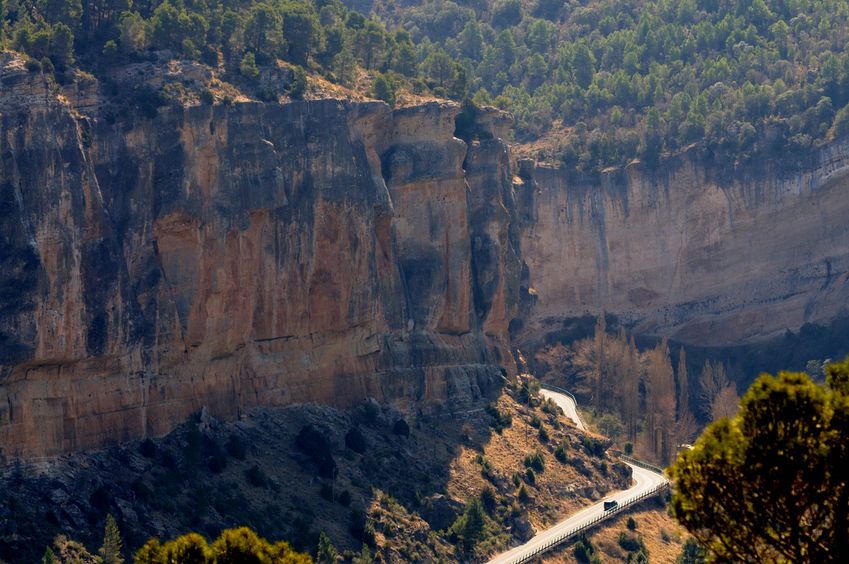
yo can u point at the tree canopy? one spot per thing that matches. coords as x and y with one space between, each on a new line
605 81
770 484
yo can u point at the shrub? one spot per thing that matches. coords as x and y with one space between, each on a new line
543 435
401 428
535 461
523 494
327 491
628 542
236 448
629 448
584 551
355 440
500 420
361 528
315 443
560 453
535 421
256 477
298 87
147 448
593 447
344 498
469 527
530 476
517 479
488 500
631 524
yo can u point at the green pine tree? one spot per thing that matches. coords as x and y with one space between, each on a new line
326 551
112 543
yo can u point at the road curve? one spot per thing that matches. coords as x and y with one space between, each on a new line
644 481
565 403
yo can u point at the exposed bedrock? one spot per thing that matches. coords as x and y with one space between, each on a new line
679 253
234 256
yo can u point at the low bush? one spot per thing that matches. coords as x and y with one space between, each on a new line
535 461
499 420
628 542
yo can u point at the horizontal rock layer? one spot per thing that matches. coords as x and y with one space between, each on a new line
235 256
684 254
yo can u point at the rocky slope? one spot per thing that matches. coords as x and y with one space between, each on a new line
690 252
231 256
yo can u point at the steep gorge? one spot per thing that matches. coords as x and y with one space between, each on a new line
236 256
259 254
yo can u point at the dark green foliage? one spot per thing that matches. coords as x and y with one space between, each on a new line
327 491
585 552
632 79
384 89
543 434
593 446
326 552
629 543
500 420
314 443
632 525
560 453
691 553
535 461
299 84
522 494
469 527
629 448
113 544
361 528
488 500
530 476
355 440
147 448
256 477
236 448
401 428
782 455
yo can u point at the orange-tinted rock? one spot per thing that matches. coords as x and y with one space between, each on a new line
236 256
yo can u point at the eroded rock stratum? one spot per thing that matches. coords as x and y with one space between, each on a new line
240 255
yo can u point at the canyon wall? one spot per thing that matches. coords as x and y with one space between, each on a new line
690 252
229 256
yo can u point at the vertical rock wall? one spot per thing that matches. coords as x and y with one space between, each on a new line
233 256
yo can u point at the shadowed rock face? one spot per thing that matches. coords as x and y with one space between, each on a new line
677 253
235 256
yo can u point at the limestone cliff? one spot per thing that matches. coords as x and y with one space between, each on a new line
231 256
686 252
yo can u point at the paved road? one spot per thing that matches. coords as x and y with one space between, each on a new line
644 481
565 403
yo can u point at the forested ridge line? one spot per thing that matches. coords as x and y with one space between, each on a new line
601 82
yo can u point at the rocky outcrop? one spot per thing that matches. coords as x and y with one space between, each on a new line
234 256
686 252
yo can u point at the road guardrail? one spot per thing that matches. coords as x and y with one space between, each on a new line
572 533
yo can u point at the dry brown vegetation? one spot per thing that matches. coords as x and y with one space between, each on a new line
661 535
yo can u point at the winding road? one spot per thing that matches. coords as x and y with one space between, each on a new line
645 482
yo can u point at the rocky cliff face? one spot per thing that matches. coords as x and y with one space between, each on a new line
233 256
680 253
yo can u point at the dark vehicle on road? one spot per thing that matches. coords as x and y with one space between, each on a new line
608 505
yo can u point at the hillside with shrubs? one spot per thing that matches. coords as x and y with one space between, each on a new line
362 484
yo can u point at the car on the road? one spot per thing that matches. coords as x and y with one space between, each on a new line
610 505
